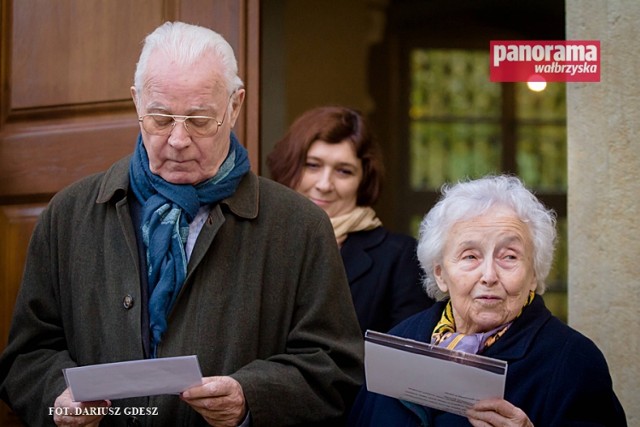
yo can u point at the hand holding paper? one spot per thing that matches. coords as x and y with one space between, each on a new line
171 375
68 412
417 372
220 400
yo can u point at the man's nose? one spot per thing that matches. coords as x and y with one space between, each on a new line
179 136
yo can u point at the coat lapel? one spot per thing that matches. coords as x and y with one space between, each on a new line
355 256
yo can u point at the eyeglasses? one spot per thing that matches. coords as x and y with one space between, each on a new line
163 124
197 126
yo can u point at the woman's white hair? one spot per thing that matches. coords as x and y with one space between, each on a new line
467 200
185 44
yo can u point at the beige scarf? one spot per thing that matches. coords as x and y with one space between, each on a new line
359 219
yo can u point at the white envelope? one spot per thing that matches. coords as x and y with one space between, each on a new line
148 377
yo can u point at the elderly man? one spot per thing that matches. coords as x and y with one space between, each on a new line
179 249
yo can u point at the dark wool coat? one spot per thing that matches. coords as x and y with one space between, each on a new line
556 375
265 300
384 276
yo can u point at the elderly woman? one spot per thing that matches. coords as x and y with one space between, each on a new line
329 156
487 247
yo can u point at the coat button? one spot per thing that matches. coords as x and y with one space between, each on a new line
133 422
127 301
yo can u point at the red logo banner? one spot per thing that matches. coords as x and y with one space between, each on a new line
545 61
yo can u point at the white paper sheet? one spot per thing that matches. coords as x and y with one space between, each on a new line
443 379
149 377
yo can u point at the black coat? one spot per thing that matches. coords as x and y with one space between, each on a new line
384 276
556 375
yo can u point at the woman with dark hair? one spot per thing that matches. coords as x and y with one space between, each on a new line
329 156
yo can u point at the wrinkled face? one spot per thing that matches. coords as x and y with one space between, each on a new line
331 177
198 89
487 268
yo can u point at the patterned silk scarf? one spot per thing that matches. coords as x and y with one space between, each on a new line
167 210
445 335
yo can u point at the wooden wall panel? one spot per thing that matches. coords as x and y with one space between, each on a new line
39 158
16 225
68 52
66 67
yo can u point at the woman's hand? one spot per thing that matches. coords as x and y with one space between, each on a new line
219 400
68 413
497 413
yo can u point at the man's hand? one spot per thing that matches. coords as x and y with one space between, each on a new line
498 413
219 400
66 415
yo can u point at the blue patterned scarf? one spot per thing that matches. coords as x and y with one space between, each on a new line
167 210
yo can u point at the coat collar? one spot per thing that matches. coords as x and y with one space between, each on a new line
243 203
115 182
513 345
354 251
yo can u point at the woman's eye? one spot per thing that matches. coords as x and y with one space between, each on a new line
345 172
509 254
312 165
510 257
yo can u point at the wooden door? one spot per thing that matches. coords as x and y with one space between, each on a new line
66 67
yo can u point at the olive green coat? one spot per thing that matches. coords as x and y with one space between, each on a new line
265 301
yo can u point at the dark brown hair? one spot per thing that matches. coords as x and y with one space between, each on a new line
332 124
